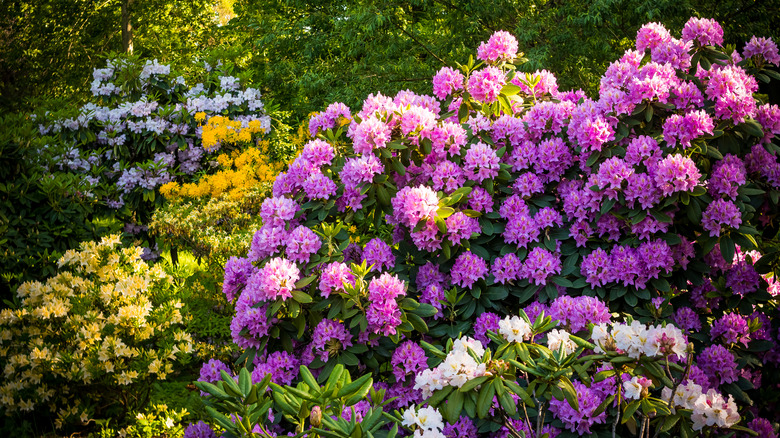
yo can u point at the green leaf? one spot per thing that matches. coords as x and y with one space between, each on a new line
301 297
244 381
300 284
453 407
628 412
485 400
473 383
727 249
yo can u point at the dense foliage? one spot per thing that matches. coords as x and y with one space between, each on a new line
107 324
628 233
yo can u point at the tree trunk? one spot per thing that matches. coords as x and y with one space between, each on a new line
127 27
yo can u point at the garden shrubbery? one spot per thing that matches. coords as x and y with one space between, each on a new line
89 342
532 261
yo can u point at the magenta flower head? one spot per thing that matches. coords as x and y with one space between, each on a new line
446 81
501 46
676 173
333 278
369 135
378 253
413 204
686 128
704 31
275 280
329 338
481 162
302 243
318 153
733 327
651 35
468 268
278 211
485 85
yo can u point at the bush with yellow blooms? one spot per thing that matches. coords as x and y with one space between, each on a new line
107 325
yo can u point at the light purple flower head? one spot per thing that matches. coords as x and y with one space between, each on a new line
468 268
485 85
446 81
237 273
733 327
501 46
763 47
704 31
333 278
329 337
719 364
302 243
721 213
378 253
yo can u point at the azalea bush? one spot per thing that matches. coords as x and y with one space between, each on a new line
604 266
88 343
215 216
143 128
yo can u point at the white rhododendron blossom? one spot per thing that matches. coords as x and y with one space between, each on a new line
556 338
457 368
709 409
428 420
684 397
635 386
637 339
514 329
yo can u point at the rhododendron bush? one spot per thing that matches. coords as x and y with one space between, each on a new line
533 261
145 127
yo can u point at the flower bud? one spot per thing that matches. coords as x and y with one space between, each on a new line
315 418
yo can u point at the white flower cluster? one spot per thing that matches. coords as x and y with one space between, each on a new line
514 329
556 338
635 386
458 368
637 339
428 420
709 409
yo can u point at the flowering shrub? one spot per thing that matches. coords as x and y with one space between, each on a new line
143 129
107 324
653 203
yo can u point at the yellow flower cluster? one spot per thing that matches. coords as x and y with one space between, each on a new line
240 170
106 319
220 130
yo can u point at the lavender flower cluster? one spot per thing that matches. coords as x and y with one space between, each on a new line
503 193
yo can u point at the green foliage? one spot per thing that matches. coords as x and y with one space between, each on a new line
309 54
241 407
41 214
49 47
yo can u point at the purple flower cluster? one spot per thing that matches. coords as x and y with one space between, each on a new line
501 46
484 322
719 364
383 313
333 278
485 85
705 32
683 129
580 420
575 313
328 118
237 273
468 268
378 253
733 327
329 338
281 365
199 430
408 359
274 280
721 213
627 265
446 81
